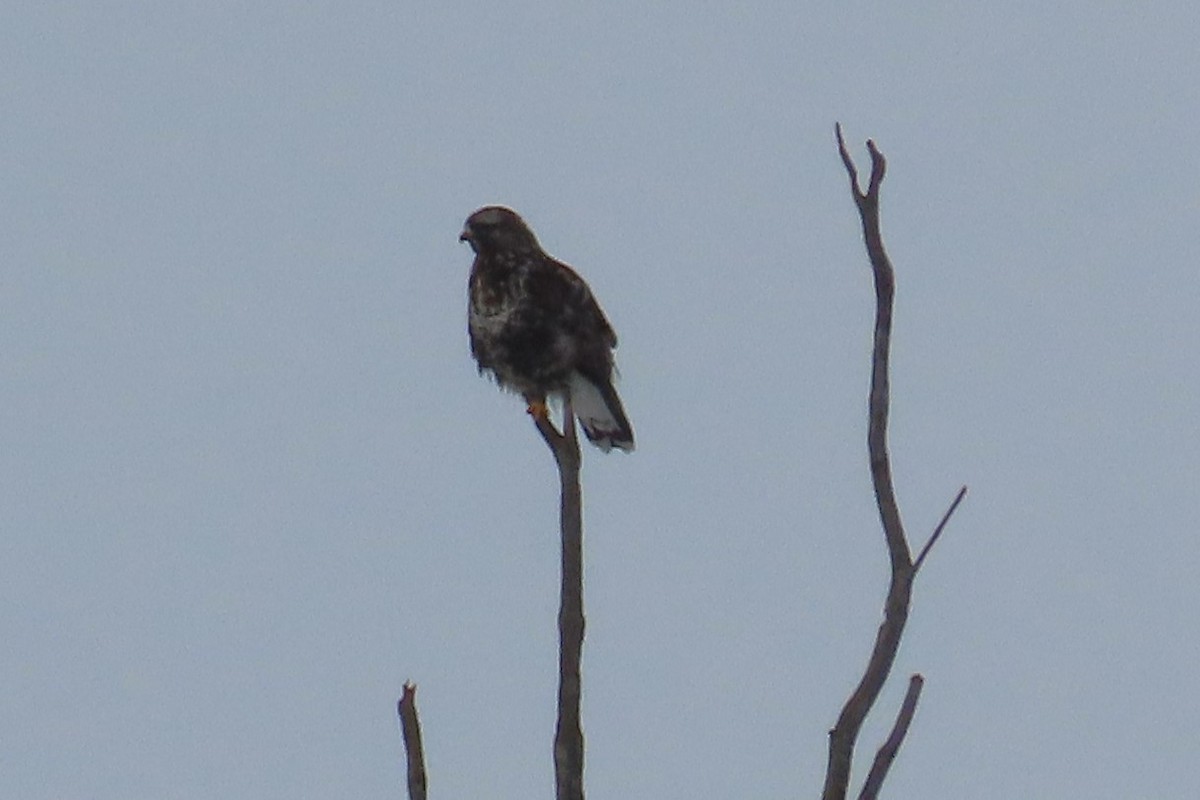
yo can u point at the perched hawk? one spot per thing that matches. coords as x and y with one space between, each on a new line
536 327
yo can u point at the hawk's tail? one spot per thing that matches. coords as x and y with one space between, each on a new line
600 413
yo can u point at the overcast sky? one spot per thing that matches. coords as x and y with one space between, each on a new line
250 481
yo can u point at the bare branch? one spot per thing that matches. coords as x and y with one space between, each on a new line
568 733
938 530
887 642
887 752
411 727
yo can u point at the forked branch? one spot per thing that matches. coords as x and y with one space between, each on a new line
843 737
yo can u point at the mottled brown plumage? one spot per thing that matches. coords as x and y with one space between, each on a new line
535 326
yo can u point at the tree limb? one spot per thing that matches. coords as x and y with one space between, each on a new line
887 752
844 735
568 734
411 727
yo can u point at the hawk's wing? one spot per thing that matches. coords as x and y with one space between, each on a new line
560 291
593 397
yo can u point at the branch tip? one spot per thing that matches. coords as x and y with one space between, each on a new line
891 746
848 162
564 445
410 727
878 167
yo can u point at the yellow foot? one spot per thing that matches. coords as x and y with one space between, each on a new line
537 408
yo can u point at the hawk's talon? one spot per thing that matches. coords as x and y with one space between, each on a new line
538 410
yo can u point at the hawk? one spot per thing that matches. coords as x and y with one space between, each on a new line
535 326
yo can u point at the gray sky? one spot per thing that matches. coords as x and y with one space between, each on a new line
251 482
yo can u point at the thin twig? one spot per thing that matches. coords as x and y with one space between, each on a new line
415 753
887 752
938 530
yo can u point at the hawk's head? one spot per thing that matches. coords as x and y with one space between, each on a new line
494 229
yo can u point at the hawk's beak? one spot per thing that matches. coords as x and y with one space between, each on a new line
466 236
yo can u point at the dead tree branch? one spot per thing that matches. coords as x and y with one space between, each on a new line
844 735
941 526
887 752
568 734
415 753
